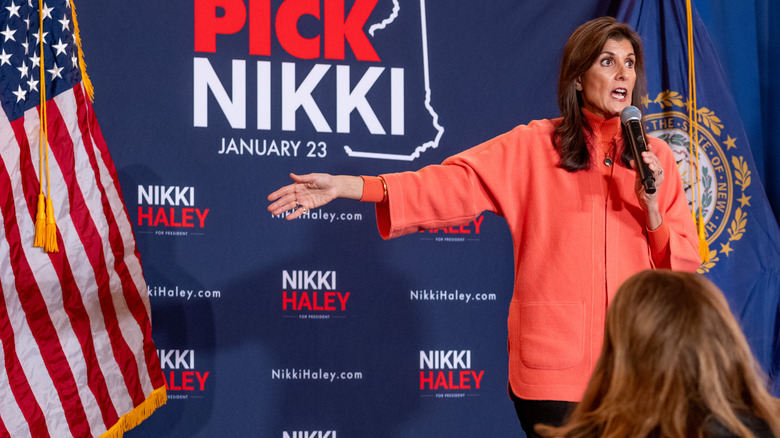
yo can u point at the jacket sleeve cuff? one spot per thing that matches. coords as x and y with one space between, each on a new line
659 240
374 189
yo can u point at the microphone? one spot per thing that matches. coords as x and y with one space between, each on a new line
635 134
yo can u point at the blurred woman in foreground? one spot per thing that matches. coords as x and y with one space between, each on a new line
675 363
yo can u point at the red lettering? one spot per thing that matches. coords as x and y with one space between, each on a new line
208 24
186 217
314 300
168 218
142 216
478 223
464 379
171 384
202 218
173 218
441 380
329 300
337 29
447 379
287 28
161 218
343 300
424 380
202 381
260 27
477 377
304 301
324 301
286 300
186 381
460 229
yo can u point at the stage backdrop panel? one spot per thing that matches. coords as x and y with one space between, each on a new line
318 327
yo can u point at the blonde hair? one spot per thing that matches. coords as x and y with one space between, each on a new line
674 360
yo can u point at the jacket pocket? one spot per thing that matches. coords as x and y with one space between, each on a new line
551 336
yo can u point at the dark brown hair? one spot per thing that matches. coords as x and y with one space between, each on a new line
674 363
581 51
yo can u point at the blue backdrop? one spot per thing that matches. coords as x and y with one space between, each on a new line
317 327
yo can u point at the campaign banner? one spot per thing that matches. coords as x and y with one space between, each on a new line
317 327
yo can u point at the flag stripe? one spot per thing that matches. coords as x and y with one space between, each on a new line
81 323
117 398
95 363
87 231
108 173
73 276
36 284
119 246
18 276
57 266
15 393
3 430
70 104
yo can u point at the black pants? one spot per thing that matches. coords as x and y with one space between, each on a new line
531 412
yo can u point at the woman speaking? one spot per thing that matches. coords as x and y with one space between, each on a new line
580 218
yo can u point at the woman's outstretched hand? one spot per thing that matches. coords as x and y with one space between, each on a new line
312 191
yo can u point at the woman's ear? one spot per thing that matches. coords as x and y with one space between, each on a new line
578 84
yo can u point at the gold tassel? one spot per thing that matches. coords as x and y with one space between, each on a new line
157 398
693 128
84 77
40 223
51 229
704 249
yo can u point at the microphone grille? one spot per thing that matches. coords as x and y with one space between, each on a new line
630 113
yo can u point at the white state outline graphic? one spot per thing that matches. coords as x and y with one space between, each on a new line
439 129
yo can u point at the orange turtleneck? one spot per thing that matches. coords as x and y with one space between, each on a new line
604 144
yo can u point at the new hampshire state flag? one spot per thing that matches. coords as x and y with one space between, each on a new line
741 231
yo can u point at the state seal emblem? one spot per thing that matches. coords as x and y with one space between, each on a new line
717 193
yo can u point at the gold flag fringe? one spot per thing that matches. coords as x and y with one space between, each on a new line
84 77
157 398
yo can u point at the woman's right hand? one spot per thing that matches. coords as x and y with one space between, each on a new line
312 191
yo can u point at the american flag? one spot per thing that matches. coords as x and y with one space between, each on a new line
75 325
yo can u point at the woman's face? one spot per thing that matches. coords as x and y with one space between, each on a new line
607 85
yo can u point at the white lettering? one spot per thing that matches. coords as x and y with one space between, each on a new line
176 359
205 79
449 359
166 195
356 99
293 98
309 280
